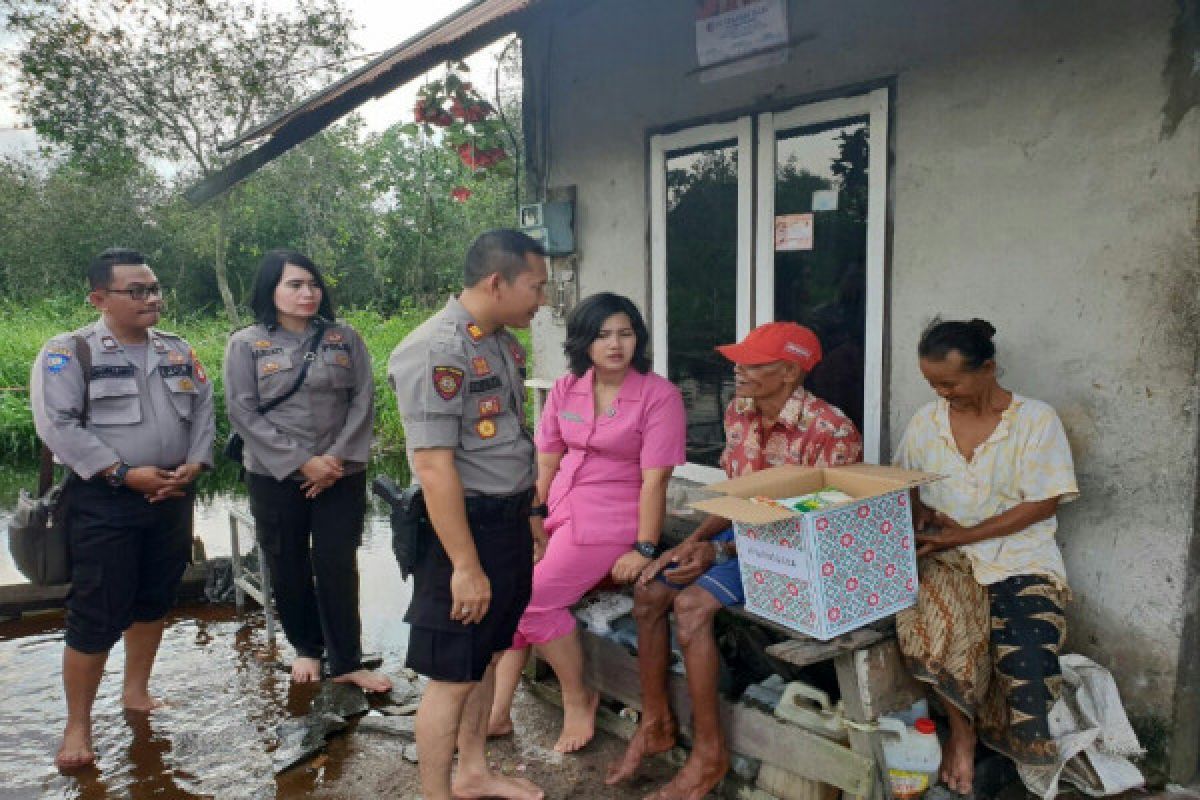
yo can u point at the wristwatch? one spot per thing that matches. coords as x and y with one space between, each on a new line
720 554
542 511
647 549
116 478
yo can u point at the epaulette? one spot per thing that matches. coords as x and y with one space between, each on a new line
85 331
167 334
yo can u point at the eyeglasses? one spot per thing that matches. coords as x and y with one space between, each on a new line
139 293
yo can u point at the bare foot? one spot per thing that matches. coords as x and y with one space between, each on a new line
364 679
499 727
141 702
493 784
306 670
75 752
958 761
699 776
651 738
579 725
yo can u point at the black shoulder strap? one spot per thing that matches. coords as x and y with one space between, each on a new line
309 357
46 463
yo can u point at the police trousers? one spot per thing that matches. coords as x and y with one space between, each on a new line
311 547
127 557
444 649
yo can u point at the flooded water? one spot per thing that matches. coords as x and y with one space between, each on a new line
225 686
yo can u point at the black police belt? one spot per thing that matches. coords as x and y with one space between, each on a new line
503 507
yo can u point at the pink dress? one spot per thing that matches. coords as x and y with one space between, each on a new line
594 496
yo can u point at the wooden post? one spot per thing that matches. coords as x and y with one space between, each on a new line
874 681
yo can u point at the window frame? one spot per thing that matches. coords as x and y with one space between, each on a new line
754 135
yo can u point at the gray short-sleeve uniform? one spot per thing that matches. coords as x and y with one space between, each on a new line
148 406
332 412
458 388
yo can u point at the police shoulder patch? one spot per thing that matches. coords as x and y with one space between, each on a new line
56 359
447 381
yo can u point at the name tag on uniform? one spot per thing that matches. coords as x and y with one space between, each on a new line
175 370
113 372
486 384
571 416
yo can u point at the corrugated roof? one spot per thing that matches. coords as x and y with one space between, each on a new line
470 28
466 20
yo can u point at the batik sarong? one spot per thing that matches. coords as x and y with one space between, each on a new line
991 651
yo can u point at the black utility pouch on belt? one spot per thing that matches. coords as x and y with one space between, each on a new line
410 523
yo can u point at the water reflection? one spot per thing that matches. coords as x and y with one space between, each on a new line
225 686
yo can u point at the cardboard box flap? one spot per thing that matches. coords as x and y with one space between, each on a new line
785 481
899 477
742 510
734 498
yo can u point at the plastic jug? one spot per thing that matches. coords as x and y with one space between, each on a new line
809 707
913 755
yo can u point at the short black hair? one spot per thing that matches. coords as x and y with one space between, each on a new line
100 271
502 250
584 324
270 273
971 338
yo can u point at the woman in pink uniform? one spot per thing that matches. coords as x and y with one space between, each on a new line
610 434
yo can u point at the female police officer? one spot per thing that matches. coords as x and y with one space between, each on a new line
305 459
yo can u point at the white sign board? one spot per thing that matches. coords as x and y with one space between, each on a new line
729 30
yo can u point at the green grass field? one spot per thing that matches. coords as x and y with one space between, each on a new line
24 329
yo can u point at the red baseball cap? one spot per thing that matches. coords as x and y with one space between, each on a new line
776 341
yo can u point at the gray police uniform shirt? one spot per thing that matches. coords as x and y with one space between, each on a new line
331 413
458 388
149 406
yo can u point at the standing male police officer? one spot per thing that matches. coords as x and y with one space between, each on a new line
459 385
147 436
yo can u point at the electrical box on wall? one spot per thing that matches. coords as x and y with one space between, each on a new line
550 224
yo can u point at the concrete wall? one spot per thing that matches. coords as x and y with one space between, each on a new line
1033 184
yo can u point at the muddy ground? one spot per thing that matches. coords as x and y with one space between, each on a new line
368 766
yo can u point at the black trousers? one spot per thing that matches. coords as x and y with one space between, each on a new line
127 556
311 549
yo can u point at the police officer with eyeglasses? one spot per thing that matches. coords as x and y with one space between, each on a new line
128 409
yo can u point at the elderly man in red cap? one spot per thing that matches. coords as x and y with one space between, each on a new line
771 421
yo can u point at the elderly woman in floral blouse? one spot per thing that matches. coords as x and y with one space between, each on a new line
988 624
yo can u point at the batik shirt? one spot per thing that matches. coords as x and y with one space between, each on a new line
809 432
1026 459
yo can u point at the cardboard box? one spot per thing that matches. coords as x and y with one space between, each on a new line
827 572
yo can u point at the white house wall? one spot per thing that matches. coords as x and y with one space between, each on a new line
1032 185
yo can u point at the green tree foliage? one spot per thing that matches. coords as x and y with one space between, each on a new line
57 220
171 79
376 211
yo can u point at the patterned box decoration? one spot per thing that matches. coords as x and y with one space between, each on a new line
828 572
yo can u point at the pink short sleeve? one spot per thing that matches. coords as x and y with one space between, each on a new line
548 438
664 425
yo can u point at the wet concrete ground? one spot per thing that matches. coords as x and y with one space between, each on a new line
227 694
